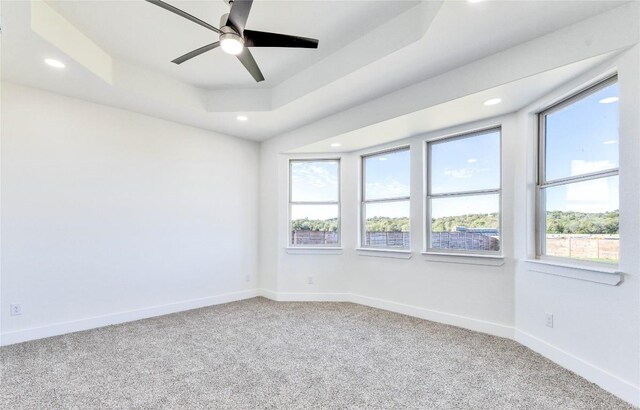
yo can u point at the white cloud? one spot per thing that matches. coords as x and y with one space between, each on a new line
460 173
311 174
387 188
579 166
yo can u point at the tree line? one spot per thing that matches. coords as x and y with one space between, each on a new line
558 222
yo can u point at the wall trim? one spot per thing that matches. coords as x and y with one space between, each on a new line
466 322
594 374
269 294
61 328
477 325
305 296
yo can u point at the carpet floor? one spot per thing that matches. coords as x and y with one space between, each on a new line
260 354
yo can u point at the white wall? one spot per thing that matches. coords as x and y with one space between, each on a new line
597 326
109 215
477 295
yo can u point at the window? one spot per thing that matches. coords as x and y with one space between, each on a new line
578 176
385 199
314 202
463 193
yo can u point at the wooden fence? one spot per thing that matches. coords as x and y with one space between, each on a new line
314 237
387 239
596 247
470 241
442 240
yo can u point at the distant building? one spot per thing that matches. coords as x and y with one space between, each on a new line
484 231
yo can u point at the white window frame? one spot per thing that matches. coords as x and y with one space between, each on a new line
364 201
338 203
430 196
542 183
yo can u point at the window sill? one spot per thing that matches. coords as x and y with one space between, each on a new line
385 253
591 273
307 250
464 259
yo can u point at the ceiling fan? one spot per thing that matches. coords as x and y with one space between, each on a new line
235 39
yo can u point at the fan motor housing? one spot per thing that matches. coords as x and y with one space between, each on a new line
223 21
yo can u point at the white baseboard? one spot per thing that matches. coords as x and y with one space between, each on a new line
594 374
269 294
432 315
466 322
56 329
305 296
602 378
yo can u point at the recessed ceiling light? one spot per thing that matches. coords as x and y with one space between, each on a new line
492 101
474 1
242 118
54 63
609 142
472 160
608 100
336 144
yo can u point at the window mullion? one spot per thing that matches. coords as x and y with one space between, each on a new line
576 213
314 203
391 233
581 178
486 238
396 199
465 193
323 232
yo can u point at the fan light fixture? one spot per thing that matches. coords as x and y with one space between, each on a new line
234 38
231 43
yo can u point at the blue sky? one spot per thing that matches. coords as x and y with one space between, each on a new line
581 138
388 176
465 164
314 181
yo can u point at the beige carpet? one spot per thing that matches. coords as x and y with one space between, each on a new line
259 354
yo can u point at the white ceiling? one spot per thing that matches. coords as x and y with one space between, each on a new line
514 95
146 35
368 49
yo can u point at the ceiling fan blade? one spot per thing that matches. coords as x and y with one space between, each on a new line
250 64
264 39
181 13
196 53
239 14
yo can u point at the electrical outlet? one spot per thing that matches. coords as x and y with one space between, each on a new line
548 318
310 280
16 309
247 278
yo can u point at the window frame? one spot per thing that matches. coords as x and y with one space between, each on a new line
338 203
542 183
364 201
430 196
